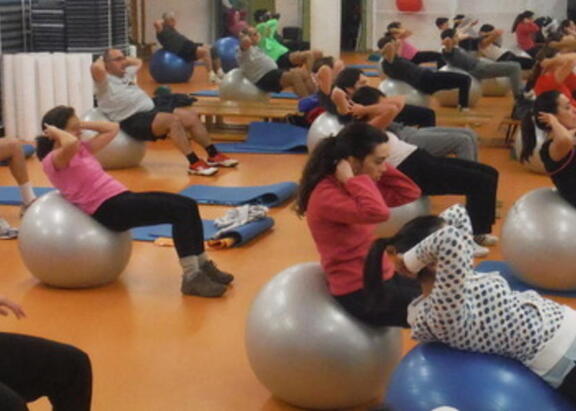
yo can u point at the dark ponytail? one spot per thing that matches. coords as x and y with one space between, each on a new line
57 117
520 17
545 103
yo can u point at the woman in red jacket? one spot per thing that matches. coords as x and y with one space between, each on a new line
345 191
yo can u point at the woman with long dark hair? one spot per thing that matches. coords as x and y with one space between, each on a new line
526 30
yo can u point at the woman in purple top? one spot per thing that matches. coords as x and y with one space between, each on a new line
72 168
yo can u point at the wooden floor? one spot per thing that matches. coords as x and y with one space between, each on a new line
153 349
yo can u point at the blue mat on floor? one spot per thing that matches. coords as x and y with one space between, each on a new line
10 195
242 234
28 149
270 138
364 66
214 93
269 195
374 57
371 74
506 271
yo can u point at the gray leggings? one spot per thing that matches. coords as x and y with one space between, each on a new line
511 69
442 141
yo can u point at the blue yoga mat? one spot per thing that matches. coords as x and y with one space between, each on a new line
270 138
286 95
364 66
10 195
269 195
508 273
374 57
371 74
28 150
242 234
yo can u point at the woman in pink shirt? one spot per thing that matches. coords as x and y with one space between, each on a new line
71 167
345 191
525 30
409 51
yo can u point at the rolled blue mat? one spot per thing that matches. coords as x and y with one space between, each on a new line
270 138
10 195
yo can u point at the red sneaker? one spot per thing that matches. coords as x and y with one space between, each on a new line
202 169
222 160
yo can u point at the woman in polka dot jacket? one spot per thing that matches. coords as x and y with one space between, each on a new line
477 311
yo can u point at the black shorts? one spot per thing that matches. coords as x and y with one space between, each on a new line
188 51
284 61
270 83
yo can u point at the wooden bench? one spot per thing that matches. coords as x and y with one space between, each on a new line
511 128
214 111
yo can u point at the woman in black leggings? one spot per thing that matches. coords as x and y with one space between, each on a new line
72 168
422 79
32 367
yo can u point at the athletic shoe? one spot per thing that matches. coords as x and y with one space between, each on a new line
7 232
199 284
486 240
213 77
215 274
200 168
463 109
220 73
221 160
479 251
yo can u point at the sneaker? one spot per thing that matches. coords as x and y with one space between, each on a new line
486 240
463 109
222 160
199 284
201 168
213 77
7 232
220 73
479 251
215 274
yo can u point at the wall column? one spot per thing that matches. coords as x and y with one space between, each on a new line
325 25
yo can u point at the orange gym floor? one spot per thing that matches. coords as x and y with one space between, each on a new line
153 349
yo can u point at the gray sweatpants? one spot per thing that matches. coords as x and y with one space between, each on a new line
442 141
511 69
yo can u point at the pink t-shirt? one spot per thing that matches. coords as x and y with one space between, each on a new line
84 183
408 50
525 35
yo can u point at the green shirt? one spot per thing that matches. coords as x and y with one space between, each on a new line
268 42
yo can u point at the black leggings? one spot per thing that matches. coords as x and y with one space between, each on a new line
416 116
32 367
128 210
446 175
429 56
392 312
432 81
568 386
525 62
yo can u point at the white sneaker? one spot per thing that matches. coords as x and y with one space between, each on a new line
7 232
213 77
486 240
479 251
220 73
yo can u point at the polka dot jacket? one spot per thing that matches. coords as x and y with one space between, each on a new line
475 311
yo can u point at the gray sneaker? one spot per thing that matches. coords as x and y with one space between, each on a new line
7 232
215 274
199 284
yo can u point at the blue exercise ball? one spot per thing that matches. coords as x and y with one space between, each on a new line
167 67
434 375
226 49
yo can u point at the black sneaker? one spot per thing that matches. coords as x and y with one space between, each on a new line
199 284
215 274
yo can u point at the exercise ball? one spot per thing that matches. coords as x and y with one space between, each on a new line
167 67
122 152
538 240
64 247
325 125
495 87
449 98
401 215
435 375
534 162
309 352
234 86
391 87
226 48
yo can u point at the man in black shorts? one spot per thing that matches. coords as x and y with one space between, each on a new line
121 100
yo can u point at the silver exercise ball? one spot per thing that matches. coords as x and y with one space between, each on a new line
496 87
392 87
309 352
401 215
538 240
325 125
534 163
64 247
122 152
235 87
449 98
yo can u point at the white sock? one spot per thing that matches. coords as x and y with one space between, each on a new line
190 264
27 193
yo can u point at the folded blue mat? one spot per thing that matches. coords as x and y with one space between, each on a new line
508 273
10 195
28 150
286 95
270 138
364 66
242 234
269 195
371 74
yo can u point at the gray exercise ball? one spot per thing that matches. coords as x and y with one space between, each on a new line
534 163
325 125
496 87
122 152
538 240
64 247
235 87
401 215
449 98
392 87
309 352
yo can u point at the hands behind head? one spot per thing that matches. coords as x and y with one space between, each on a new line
357 110
50 131
344 171
548 118
7 306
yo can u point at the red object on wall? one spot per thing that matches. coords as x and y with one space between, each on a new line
409 5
